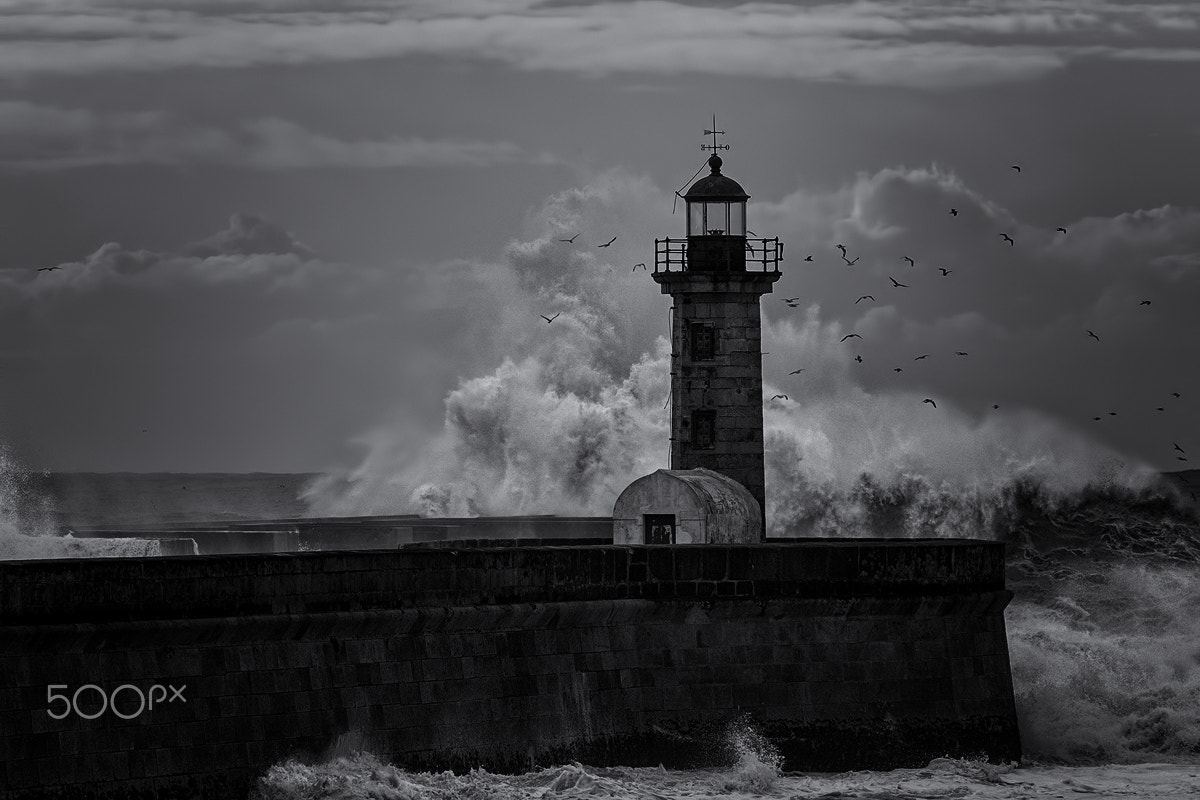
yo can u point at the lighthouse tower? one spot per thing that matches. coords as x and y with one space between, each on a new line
715 277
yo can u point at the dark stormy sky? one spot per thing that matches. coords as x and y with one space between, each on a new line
307 235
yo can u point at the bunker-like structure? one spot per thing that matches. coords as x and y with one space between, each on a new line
688 506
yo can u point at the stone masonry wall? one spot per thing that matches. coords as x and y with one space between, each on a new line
846 654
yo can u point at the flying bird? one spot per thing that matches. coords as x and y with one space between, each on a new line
752 233
1176 394
793 305
897 369
850 336
1095 419
1180 458
954 212
945 271
850 263
842 247
911 263
927 400
1016 167
639 264
1144 303
1007 238
797 371
897 284
1112 413
571 240
606 244
791 299
49 269
1180 449
808 258
549 319
858 359
959 353
1160 408
1094 336
918 358
864 297
776 397
995 406
1060 228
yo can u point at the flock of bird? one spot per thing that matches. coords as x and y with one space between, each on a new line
794 302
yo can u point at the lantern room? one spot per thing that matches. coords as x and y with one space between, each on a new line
716 204
716 222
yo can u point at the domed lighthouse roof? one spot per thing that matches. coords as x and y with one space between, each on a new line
716 186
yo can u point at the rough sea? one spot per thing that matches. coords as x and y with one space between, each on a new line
1104 637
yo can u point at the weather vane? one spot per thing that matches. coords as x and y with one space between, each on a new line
714 146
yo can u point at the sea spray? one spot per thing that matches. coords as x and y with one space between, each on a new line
756 761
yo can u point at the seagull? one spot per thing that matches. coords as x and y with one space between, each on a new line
954 212
1112 413
1144 303
911 263
606 244
571 240
945 271
793 305
49 269
1094 336
927 400
959 353
1016 167
549 319
897 369
797 371
639 264
1180 449
897 284
752 233
809 258
864 297
858 359
850 263
1180 458
1160 408
1060 228
1095 419
791 299
850 336
776 397
1176 394
918 358
995 406
842 247
1007 238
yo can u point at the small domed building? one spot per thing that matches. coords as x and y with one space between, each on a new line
686 506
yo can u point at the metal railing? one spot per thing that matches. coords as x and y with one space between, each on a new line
720 255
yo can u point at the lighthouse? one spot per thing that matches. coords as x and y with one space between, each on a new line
715 276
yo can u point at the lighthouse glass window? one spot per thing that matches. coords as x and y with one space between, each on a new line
704 429
704 342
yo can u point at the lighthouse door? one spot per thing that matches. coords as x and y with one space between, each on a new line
660 528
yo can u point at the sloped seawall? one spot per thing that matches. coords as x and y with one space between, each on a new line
846 654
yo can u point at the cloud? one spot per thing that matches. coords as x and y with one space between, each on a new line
43 137
931 44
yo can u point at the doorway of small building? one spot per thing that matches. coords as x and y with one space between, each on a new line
660 528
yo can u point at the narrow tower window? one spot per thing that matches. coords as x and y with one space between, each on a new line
704 342
704 429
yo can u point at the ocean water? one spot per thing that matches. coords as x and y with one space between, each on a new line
1104 637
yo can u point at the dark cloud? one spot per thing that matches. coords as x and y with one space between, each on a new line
936 44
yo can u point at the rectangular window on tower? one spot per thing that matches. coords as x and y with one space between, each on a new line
704 342
704 429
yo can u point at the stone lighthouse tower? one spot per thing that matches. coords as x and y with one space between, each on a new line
715 277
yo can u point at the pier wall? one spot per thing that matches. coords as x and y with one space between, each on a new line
846 654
